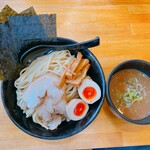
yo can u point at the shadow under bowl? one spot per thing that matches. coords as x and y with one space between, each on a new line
66 129
138 65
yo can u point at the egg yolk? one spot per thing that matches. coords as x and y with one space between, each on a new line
89 93
79 109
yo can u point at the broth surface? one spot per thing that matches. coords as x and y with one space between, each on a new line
130 93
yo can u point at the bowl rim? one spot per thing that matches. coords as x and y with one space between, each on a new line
108 97
75 131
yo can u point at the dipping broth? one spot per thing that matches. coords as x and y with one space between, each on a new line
130 93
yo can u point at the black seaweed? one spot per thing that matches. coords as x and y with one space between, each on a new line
20 31
6 12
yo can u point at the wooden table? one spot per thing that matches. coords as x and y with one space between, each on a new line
124 28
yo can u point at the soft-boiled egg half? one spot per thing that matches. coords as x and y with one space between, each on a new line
89 91
76 109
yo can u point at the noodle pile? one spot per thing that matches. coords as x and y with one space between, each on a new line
57 64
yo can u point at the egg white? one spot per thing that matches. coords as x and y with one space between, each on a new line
70 109
89 83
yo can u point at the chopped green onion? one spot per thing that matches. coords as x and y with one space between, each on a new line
134 92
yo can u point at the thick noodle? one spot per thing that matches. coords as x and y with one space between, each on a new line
52 63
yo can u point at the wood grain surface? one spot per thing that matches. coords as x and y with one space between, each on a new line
124 28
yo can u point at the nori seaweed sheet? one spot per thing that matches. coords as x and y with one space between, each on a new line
33 28
18 32
8 55
28 12
6 12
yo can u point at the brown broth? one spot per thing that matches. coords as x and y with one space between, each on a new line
120 86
